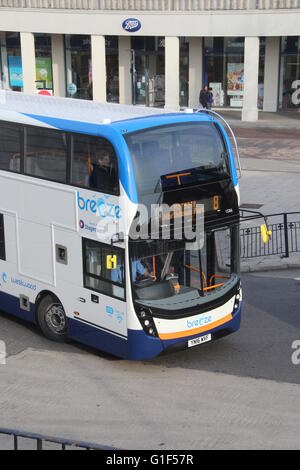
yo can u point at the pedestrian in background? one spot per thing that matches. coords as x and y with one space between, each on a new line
211 98
204 97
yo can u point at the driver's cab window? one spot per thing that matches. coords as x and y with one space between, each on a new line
104 268
94 164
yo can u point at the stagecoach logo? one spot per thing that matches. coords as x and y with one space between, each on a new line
132 25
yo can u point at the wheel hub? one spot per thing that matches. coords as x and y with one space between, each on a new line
56 319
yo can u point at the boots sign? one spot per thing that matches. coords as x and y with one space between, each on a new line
131 25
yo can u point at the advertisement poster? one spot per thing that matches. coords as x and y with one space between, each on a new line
235 80
15 71
43 66
218 94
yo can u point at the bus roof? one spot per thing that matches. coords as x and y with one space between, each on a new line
74 109
86 116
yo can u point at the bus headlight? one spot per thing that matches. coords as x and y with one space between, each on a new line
146 320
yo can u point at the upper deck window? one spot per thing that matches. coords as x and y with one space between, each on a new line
176 149
94 164
46 154
10 147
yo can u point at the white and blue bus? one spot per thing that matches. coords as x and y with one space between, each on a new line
72 177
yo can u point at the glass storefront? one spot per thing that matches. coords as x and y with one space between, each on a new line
112 68
148 71
79 67
289 73
224 70
43 61
10 62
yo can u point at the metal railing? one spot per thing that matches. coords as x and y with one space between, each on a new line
153 5
285 237
63 444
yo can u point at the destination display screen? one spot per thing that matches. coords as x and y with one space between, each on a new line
193 208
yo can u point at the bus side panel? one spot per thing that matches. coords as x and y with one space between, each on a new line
11 304
11 284
97 338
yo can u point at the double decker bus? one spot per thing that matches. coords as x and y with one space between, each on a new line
73 176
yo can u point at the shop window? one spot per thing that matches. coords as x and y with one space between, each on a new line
224 70
79 67
2 238
104 268
289 73
112 69
43 61
184 72
11 62
10 147
94 164
46 154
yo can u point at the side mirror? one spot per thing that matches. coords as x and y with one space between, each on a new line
117 238
265 233
111 262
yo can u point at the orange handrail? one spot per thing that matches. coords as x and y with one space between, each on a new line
213 287
217 276
154 269
178 176
196 270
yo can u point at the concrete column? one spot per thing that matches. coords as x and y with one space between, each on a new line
28 62
250 110
58 65
125 83
4 78
195 71
99 68
272 57
172 72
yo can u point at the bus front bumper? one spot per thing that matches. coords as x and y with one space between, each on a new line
144 347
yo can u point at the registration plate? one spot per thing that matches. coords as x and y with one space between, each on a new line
201 340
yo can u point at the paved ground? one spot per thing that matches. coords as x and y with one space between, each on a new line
239 392
280 120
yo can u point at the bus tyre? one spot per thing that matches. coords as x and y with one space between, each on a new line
52 319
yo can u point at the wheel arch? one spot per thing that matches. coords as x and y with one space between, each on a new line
39 298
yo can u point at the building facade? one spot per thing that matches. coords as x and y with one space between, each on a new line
155 52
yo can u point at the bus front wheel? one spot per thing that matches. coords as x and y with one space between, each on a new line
52 319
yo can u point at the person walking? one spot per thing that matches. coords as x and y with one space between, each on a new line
211 98
204 97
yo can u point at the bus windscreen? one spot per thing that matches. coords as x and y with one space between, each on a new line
177 155
167 276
